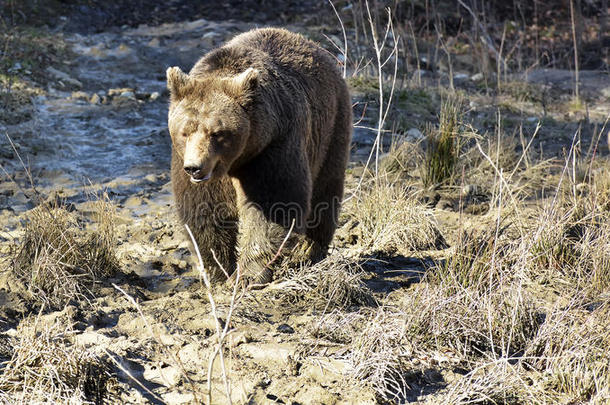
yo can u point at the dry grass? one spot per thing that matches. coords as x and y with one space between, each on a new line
444 144
59 258
46 367
386 218
379 354
335 282
521 306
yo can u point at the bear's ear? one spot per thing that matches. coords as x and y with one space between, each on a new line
246 80
176 80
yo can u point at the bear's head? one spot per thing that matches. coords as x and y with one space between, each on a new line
208 120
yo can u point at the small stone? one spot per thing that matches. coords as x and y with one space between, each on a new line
582 189
64 77
128 95
95 99
118 91
431 198
79 95
414 135
154 95
477 77
178 398
285 328
469 189
168 375
445 204
477 209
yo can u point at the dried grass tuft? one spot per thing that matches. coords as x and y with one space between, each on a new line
59 258
379 354
385 218
444 143
46 367
335 282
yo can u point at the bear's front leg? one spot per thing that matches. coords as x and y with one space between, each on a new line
266 217
259 240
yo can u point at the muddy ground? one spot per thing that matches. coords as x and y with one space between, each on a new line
97 126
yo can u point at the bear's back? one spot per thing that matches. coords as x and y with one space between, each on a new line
268 50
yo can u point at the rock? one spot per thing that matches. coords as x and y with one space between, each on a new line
118 91
178 398
460 76
92 339
154 95
582 189
95 99
285 328
445 204
431 198
64 77
130 95
414 135
477 77
79 95
469 189
477 209
164 374
268 352
325 370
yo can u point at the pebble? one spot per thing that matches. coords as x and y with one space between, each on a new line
414 135
469 189
79 95
285 328
154 95
64 77
128 94
119 91
168 376
477 77
178 398
95 99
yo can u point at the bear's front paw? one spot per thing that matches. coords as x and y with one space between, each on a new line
253 275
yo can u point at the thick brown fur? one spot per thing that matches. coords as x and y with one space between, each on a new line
263 124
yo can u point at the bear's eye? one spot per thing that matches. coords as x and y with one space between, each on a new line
218 134
185 134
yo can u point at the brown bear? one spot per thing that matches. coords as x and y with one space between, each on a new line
260 131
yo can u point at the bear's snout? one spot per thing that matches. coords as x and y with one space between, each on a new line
198 174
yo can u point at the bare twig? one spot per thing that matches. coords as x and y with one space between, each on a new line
344 50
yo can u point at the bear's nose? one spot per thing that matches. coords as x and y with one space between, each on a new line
193 171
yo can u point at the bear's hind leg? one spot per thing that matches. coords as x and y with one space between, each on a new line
328 187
